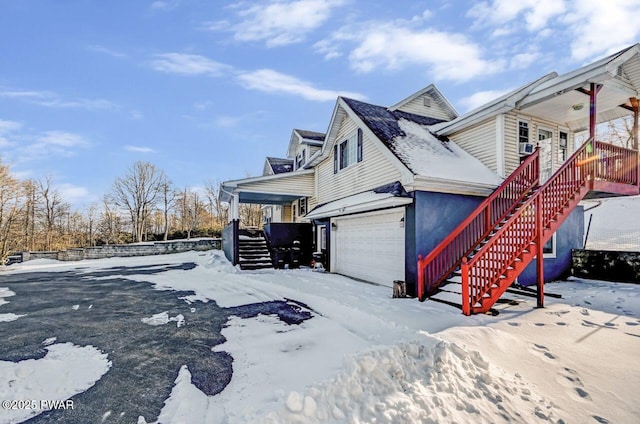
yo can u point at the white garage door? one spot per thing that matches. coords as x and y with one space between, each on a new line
370 246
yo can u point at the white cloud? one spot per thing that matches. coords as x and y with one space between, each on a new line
227 121
590 28
536 13
62 139
189 64
164 5
279 22
139 149
271 81
448 56
107 51
600 27
51 99
480 98
72 193
9 126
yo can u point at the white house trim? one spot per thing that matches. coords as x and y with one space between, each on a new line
500 167
357 203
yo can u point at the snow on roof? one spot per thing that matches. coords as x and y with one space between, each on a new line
428 156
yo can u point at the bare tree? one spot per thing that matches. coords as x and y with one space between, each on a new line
168 197
53 208
218 210
191 211
138 192
10 207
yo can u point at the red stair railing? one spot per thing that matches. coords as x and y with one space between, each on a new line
434 268
487 274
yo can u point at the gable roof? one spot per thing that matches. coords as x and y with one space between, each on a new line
279 165
559 94
310 135
502 104
384 122
433 91
311 138
408 140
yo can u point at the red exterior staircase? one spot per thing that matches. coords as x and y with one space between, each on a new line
493 245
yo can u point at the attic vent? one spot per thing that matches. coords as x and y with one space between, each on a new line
427 101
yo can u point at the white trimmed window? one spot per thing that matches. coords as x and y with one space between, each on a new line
347 152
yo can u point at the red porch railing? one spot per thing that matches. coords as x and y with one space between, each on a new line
488 273
447 256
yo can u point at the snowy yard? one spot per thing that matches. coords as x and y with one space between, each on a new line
362 357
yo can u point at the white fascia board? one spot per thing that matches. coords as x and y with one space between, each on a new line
329 137
450 186
284 175
560 87
502 104
476 118
389 202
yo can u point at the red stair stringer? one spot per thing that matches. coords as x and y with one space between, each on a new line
507 231
488 273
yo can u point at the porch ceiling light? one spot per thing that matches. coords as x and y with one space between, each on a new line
577 106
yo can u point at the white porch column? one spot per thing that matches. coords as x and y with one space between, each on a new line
234 215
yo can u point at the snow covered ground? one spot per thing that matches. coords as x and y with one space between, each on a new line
365 357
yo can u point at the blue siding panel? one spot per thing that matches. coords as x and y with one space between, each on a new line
569 236
430 219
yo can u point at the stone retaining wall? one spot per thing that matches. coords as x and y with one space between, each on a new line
126 250
606 265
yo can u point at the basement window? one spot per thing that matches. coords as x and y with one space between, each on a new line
549 248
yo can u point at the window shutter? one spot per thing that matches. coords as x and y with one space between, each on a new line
359 145
335 159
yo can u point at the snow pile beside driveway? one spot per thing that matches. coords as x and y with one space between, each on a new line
427 381
366 357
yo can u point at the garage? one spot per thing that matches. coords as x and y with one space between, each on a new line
370 246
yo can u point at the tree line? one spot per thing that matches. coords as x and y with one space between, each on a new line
142 205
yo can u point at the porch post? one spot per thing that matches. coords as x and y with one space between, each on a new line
234 214
593 93
539 254
636 145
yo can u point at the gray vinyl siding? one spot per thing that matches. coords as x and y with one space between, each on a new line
435 110
479 141
374 171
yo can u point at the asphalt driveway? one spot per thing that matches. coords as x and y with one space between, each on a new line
104 310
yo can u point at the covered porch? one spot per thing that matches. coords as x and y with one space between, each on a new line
601 93
288 242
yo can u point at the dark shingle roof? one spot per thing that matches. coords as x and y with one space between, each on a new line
311 135
383 122
279 165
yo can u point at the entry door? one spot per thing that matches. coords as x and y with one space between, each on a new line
545 142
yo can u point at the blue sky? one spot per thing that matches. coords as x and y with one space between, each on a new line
205 90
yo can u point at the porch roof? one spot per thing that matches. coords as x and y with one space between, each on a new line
270 189
562 98
381 198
